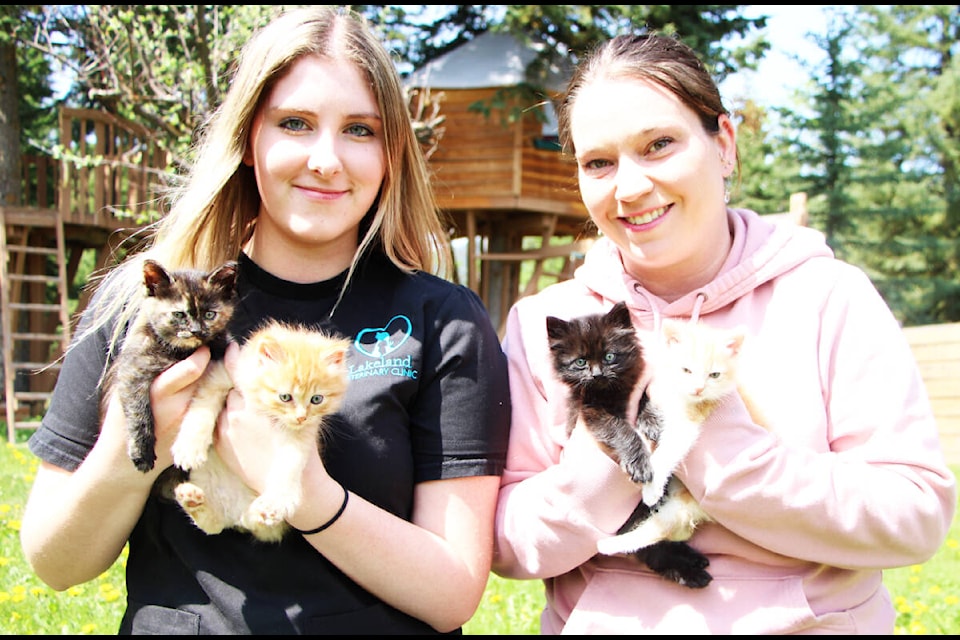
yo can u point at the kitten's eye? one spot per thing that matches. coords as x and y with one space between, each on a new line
179 315
686 370
317 399
714 375
285 397
609 357
580 363
209 315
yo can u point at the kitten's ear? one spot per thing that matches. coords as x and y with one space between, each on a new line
671 331
270 349
620 315
337 356
555 327
735 339
154 276
225 276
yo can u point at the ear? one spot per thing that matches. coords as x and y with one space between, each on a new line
337 356
154 276
225 276
555 327
727 142
619 314
270 349
735 340
670 330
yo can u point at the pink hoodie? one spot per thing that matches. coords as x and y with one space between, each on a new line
848 480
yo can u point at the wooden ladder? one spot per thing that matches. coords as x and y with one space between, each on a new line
25 245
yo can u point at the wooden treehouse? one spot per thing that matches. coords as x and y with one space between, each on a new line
91 200
498 172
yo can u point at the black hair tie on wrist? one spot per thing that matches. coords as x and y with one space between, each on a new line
336 516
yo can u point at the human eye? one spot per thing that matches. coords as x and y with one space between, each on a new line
294 124
596 164
660 144
360 130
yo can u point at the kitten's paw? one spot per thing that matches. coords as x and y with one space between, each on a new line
652 492
143 457
193 500
189 455
678 562
613 546
190 496
268 512
639 471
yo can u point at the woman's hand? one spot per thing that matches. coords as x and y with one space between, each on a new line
170 396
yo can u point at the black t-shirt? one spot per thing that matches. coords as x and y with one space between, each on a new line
428 399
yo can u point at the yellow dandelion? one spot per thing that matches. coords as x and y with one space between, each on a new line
934 590
951 544
917 628
75 591
913 580
920 607
37 591
4 597
904 607
951 599
13 524
4 562
5 508
88 629
917 568
112 596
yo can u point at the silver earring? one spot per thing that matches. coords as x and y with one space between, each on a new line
726 197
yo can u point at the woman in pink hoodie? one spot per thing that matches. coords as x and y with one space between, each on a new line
847 477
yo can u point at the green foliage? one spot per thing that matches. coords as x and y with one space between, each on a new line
27 605
872 142
926 596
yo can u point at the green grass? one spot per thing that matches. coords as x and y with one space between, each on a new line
927 596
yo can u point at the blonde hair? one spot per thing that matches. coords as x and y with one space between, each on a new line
213 213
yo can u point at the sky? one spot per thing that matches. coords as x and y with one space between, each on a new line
778 74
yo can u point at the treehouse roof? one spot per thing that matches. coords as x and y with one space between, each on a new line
489 60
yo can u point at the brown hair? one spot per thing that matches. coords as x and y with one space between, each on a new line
660 59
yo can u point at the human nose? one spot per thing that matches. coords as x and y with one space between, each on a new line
632 180
324 158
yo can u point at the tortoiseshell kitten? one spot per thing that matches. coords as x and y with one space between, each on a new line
600 358
183 310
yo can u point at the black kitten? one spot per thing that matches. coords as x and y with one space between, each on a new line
600 359
182 311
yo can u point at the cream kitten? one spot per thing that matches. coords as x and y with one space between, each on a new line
696 368
295 376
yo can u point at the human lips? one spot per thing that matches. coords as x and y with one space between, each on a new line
320 193
648 217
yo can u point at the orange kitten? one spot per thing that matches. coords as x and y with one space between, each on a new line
294 375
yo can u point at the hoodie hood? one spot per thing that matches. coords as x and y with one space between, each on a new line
761 251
